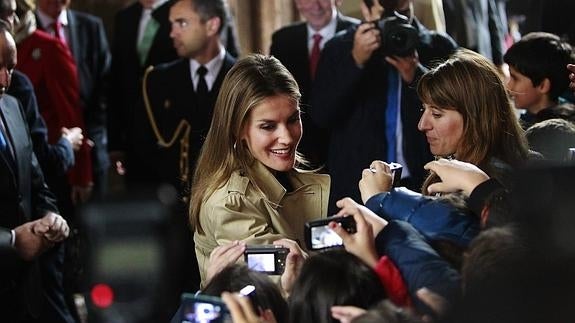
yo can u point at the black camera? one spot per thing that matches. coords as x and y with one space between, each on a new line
268 259
395 169
396 173
398 36
318 235
202 308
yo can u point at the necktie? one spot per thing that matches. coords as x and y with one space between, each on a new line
391 112
3 142
202 88
314 56
147 39
58 33
4 149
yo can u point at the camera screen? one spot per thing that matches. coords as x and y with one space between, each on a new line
200 312
261 262
324 237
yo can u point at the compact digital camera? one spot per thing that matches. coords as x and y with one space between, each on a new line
268 259
202 308
319 236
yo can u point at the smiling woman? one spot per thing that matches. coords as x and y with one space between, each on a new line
246 185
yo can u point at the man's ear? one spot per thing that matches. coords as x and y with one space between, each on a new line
545 86
213 25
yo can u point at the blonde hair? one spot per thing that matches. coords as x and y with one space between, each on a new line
251 80
470 84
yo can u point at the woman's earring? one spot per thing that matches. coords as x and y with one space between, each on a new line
235 144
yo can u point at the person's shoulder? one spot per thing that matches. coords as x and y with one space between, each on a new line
347 21
134 8
85 18
231 192
169 68
290 30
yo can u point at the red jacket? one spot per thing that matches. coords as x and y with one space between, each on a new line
392 281
51 68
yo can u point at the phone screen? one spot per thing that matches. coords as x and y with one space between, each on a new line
203 309
324 237
261 262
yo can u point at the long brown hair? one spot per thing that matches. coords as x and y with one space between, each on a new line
470 84
251 80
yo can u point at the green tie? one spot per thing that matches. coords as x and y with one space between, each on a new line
146 41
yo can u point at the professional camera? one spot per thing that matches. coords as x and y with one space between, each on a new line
398 36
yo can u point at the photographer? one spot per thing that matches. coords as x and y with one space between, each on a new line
368 102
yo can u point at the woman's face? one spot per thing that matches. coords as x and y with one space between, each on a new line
273 131
443 129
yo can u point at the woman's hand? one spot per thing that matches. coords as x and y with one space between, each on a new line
406 66
375 179
294 262
223 256
455 176
242 310
361 244
346 314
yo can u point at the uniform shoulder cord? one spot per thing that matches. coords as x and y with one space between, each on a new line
182 131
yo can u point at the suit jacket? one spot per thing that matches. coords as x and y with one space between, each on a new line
483 19
350 102
56 158
87 41
24 196
173 99
128 126
290 46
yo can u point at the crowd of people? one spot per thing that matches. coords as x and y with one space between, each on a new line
253 147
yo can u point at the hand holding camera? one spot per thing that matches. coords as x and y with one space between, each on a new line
367 224
379 177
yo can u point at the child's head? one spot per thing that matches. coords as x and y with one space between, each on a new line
538 75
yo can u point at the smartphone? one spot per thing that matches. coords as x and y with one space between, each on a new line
319 236
202 308
268 259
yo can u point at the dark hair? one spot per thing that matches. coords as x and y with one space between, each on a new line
541 55
471 85
235 277
552 138
493 255
333 277
208 9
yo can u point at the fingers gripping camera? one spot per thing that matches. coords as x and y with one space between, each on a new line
318 235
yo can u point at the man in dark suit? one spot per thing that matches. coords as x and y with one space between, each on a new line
180 106
369 103
85 36
293 45
136 45
178 95
27 207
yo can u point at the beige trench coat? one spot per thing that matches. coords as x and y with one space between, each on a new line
239 211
